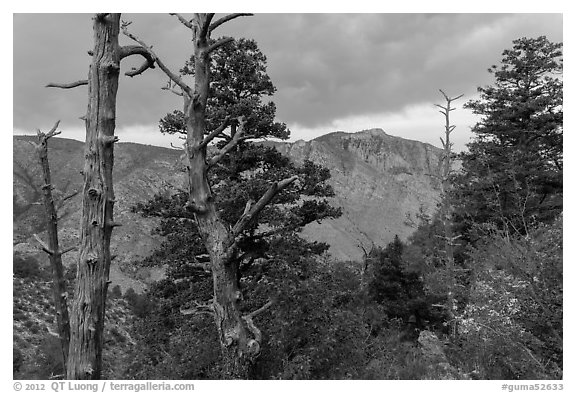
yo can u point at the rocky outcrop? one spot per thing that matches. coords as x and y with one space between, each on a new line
433 355
381 182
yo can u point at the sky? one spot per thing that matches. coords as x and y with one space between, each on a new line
333 72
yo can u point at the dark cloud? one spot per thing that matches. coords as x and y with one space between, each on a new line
325 66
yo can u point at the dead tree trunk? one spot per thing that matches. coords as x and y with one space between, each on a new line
88 310
59 291
240 339
88 306
446 210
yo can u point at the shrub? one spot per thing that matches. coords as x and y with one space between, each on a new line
50 360
140 304
116 292
20 316
512 326
27 267
17 359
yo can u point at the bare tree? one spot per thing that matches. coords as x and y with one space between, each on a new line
240 339
52 248
446 207
88 306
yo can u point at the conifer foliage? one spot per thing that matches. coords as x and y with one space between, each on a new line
513 170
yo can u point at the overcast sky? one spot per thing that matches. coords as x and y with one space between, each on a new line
333 72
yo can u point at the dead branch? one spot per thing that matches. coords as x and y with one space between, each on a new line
248 206
43 137
225 19
230 145
215 133
169 88
175 78
68 85
183 20
219 43
72 195
448 98
254 344
274 188
130 50
44 246
255 313
68 250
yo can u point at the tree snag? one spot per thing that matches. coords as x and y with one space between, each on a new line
446 209
88 306
52 248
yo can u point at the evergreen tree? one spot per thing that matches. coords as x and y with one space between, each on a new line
398 289
512 173
251 194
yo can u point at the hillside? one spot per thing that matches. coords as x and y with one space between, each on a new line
140 171
379 181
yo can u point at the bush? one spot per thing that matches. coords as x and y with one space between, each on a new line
140 304
512 326
116 292
50 360
27 267
17 359
20 316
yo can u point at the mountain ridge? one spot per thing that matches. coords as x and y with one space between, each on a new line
379 181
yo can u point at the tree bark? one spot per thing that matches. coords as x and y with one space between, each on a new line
219 241
239 337
53 250
88 310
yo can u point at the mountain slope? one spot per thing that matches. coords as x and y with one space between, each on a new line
378 179
140 171
381 182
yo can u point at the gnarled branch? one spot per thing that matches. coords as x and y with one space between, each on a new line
68 85
44 246
219 43
274 188
169 88
215 133
255 344
448 98
225 19
183 20
230 145
175 78
42 137
130 50
261 309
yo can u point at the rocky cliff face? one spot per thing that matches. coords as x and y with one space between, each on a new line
381 182
378 180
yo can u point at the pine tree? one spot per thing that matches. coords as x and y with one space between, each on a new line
224 232
512 173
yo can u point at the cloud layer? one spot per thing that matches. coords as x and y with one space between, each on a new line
329 68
